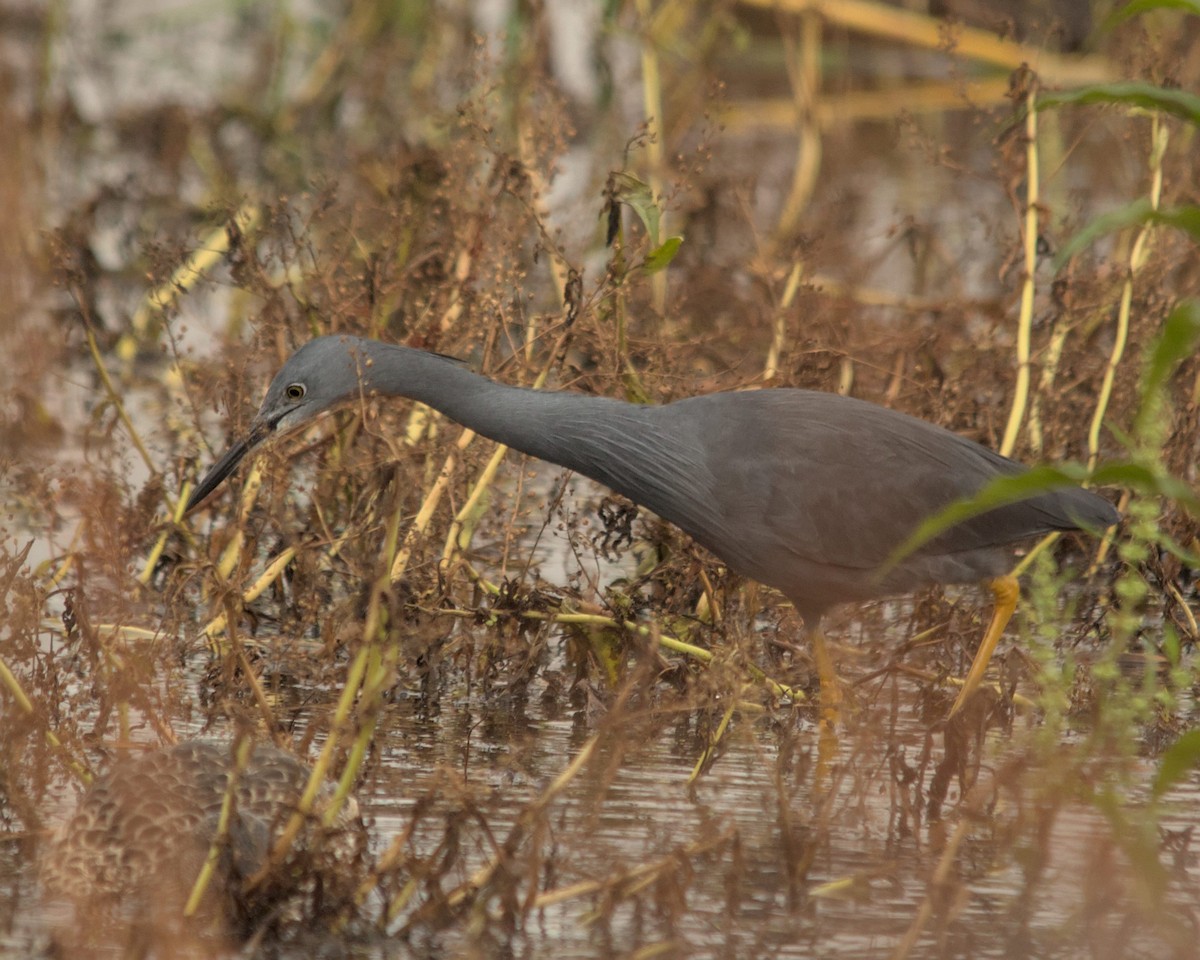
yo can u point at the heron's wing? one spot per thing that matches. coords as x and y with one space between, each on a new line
841 482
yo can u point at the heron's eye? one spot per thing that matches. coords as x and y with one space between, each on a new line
294 391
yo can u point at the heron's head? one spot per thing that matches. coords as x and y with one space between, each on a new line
316 378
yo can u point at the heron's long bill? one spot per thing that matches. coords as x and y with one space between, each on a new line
228 463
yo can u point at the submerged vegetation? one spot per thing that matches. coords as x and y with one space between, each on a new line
568 729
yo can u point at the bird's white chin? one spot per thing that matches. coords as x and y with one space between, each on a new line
294 420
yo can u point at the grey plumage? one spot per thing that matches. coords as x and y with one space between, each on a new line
807 492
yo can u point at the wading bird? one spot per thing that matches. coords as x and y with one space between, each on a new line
807 492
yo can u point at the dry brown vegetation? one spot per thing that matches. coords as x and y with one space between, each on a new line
570 731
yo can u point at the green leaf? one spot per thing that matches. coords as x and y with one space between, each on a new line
1170 645
1186 219
1151 483
1189 557
1179 760
658 258
1175 343
1129 93
1137 7
635 390
1138 212
631 190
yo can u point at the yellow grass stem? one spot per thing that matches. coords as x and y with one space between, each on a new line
358 752
904 26
1025 320
1159 136
708 610
1050 359
1193 630
464 516
838 889
779 333
662 639
1040 547
384 864
391 538
652 107
381 669
399 901
250 676
231 556
1018 699
242 751
804 73
128 632
662 948
212 251
462 272
876 297
424 515
854 106
707 753
320 770
123 724
115 399
560 270
1137 258
353 35
484 875
10 682
419 422
217 625
64 568
638 874
161 543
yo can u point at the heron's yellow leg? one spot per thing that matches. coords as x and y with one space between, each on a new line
831 689
831 706
1005 591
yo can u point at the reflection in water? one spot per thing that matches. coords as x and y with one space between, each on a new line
130 858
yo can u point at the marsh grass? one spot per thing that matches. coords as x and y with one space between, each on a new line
569 728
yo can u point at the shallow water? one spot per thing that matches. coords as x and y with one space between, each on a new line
762 856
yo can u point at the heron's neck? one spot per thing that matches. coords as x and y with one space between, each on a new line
644 452
595 436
